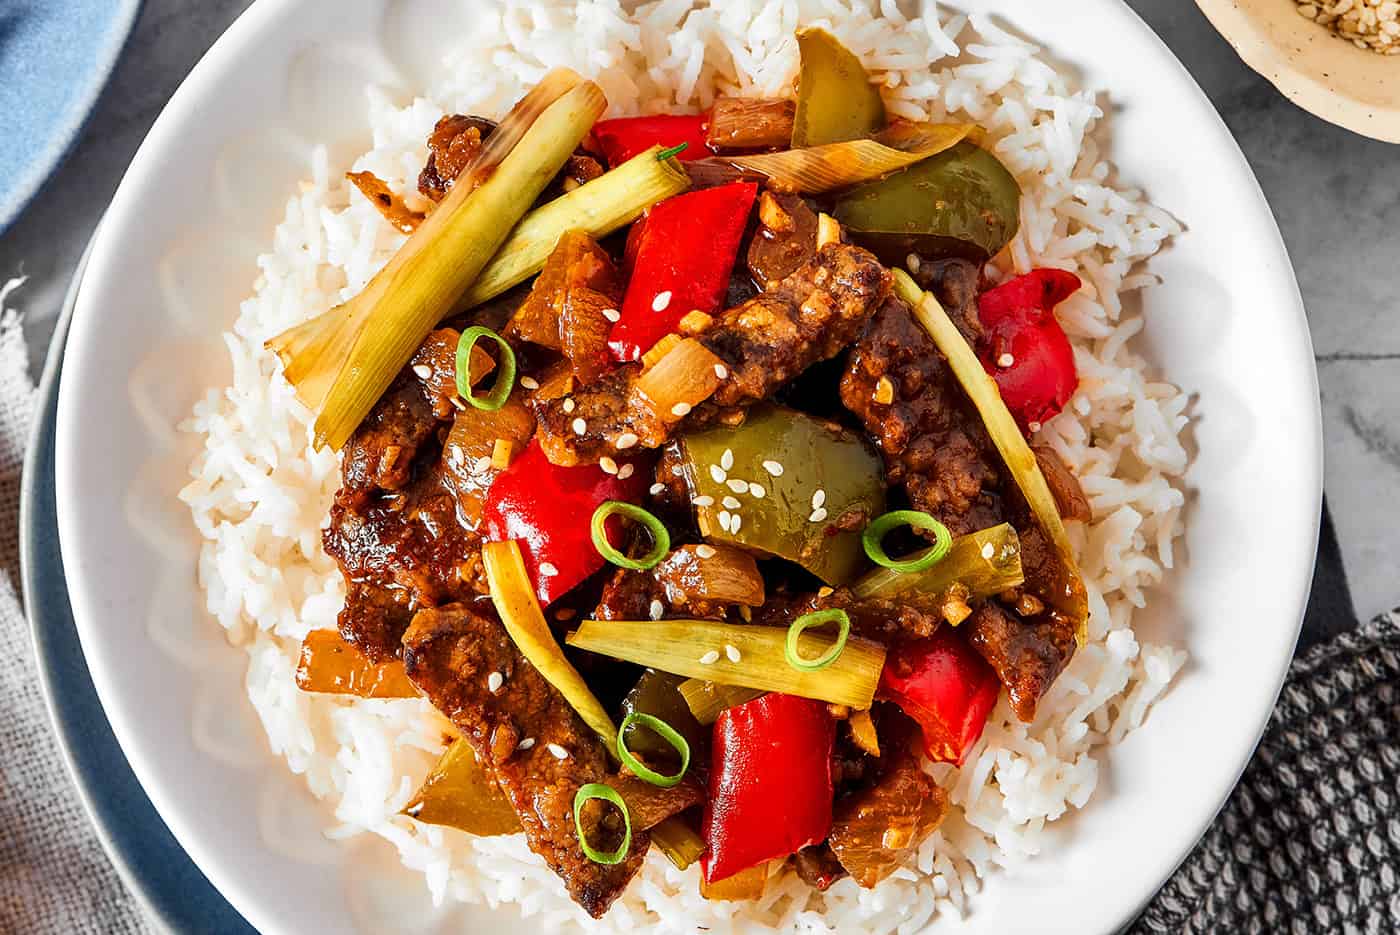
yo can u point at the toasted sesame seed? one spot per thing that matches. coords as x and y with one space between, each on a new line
1005 360
718 473
558 752
611 314
731 503
548 570
737 485
818 515
818 498
756 490
661 302
580 426
732 652
735 522
626 440
625 471
494 681
825 591
530 383
705 551
525 744
721 371
1034 427
988 551
912 261
657 489
677 470
423 371
456 401
657 609
725 517
680 409
481 465
703 500
710 658
456 454
726 460
569 404
607 464
774 468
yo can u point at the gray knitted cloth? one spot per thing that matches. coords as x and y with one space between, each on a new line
1310 840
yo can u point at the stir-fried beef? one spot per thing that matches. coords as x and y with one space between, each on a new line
817 866
932 438
694 581
629 594
809 316
455 142
394 527
872 618
540 750
1064 486
873 830
1028 653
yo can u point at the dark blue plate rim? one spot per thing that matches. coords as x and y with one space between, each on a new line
69 128
144 852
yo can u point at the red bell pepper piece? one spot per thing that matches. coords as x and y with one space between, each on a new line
625 137
770 783
1021 332
684 255
549 509
946 688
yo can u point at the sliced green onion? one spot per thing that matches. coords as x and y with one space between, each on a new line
660 538
667 733
505 376
597 790
881 526
817 618
673 151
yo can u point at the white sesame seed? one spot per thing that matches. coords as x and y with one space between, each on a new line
913 262
1034 427
818 498
726 460
737 485
677 470
658 489
548 570
756 490
705 551
732 652
735 522
494 681
458 457
731 503
611 314
721 371
580 426
481 465
680 409
607 464
456 401
1005 360
703 500
558 752
988 551
627 440
718 474
525 744
774 468
818 515
625 471
569 404
423 371
657 609
661 302
724 519
530 383
710 658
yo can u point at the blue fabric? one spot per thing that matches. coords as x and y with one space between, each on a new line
55 58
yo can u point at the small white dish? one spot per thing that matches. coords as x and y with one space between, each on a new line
176 255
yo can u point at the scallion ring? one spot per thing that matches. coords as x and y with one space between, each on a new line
667 733
879 527
660 538
597 790
673 151
505 369
817 618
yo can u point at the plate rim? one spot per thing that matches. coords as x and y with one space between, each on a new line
1306 374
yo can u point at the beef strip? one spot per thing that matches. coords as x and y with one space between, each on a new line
394 527
455 142
881 620
874 829
450 653
818 867
934 442
809 316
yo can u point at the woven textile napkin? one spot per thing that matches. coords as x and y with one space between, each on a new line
1309 842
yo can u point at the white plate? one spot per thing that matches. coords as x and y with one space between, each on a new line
176 255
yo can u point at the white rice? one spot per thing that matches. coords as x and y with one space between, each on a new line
260 493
